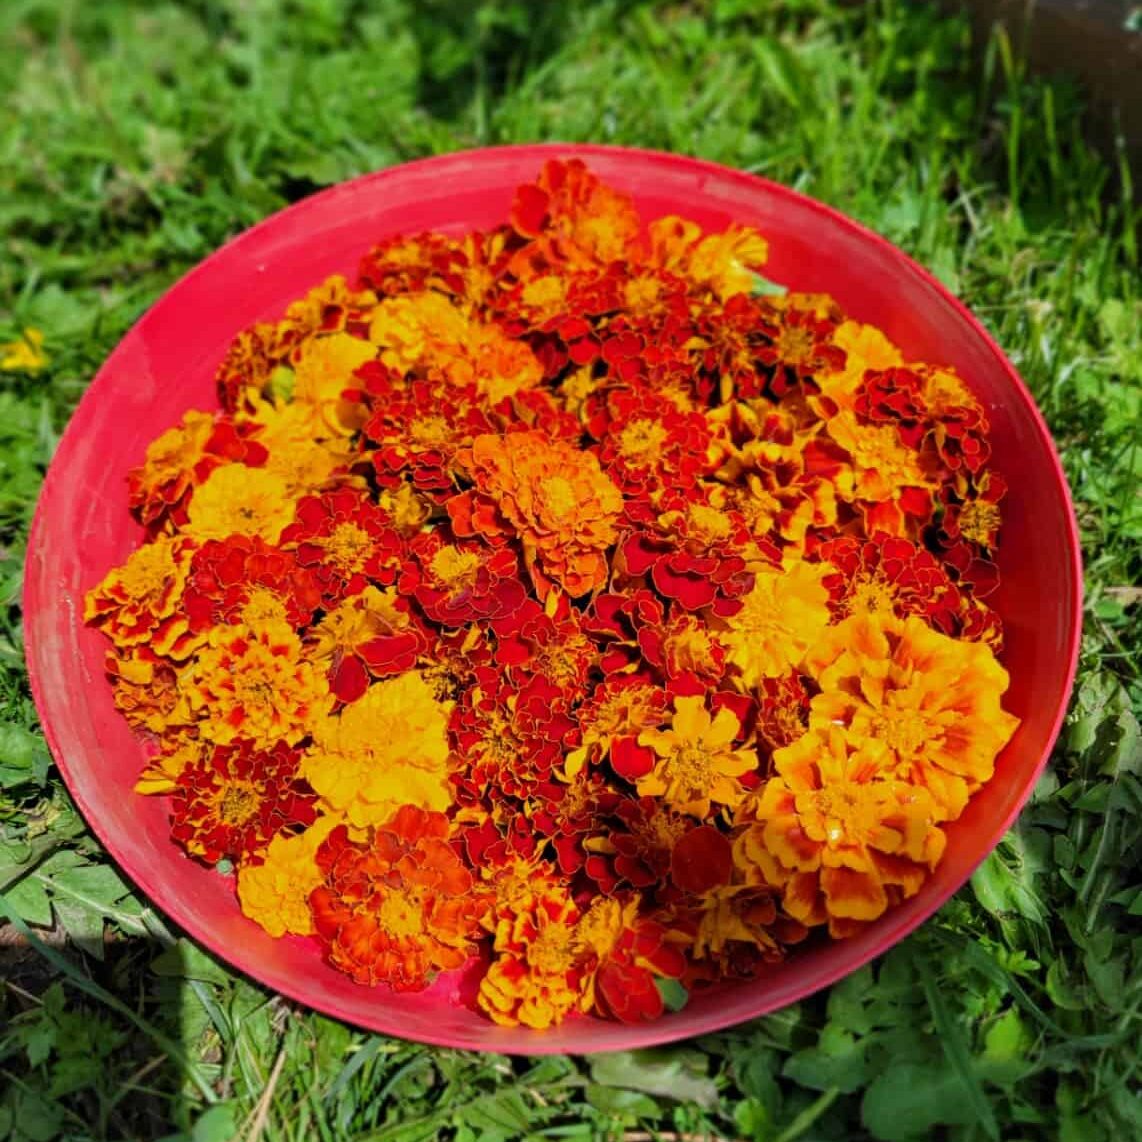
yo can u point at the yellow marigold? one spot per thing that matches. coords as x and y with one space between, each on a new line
139 604
238 500
299 451
387 749
323 369
781 618
882 464
697 764
24 355
866 347
841 839
275 893
255 684
554 497
724 263
931 701
427 333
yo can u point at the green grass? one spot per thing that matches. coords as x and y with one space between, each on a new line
136 137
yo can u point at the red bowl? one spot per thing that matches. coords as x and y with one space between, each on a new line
166 365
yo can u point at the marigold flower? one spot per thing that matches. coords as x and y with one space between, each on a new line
637 845
932 702
456 582
370 635
886 574
778 621
696 764
244 579
146 690
235 799
239 500
324 369
387 749
619 709
306 458
541 969
428 335
556 499
183 457
346 540
725 263
253 682
841 838
139 602
571 217
399 906
274 890
865 347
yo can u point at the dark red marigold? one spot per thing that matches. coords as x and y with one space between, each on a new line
635 845
555 646
885 573
347 541
508 735
229 576
457 581
237 799
416 429
801 348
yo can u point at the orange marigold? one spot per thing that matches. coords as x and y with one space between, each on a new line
256 684
841 840
398 907
931 701
554 497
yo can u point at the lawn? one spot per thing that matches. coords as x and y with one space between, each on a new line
136 137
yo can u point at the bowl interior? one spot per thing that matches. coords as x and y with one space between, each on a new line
165 365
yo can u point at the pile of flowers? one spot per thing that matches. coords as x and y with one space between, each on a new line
570 601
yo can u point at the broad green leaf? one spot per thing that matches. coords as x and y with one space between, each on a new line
30 899
680 1074
218 1124
907 1100
838 1060
626 1104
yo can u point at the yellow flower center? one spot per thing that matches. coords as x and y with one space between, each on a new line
429 432
848 812
553 951
625 712
254 689
544 292
795 344
870 594
641 293
662 830
641 440
454 568
979 521
263 606
559 496
880 449
708 523
347 548
400 915
145 573
238 803
906 732
689 766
